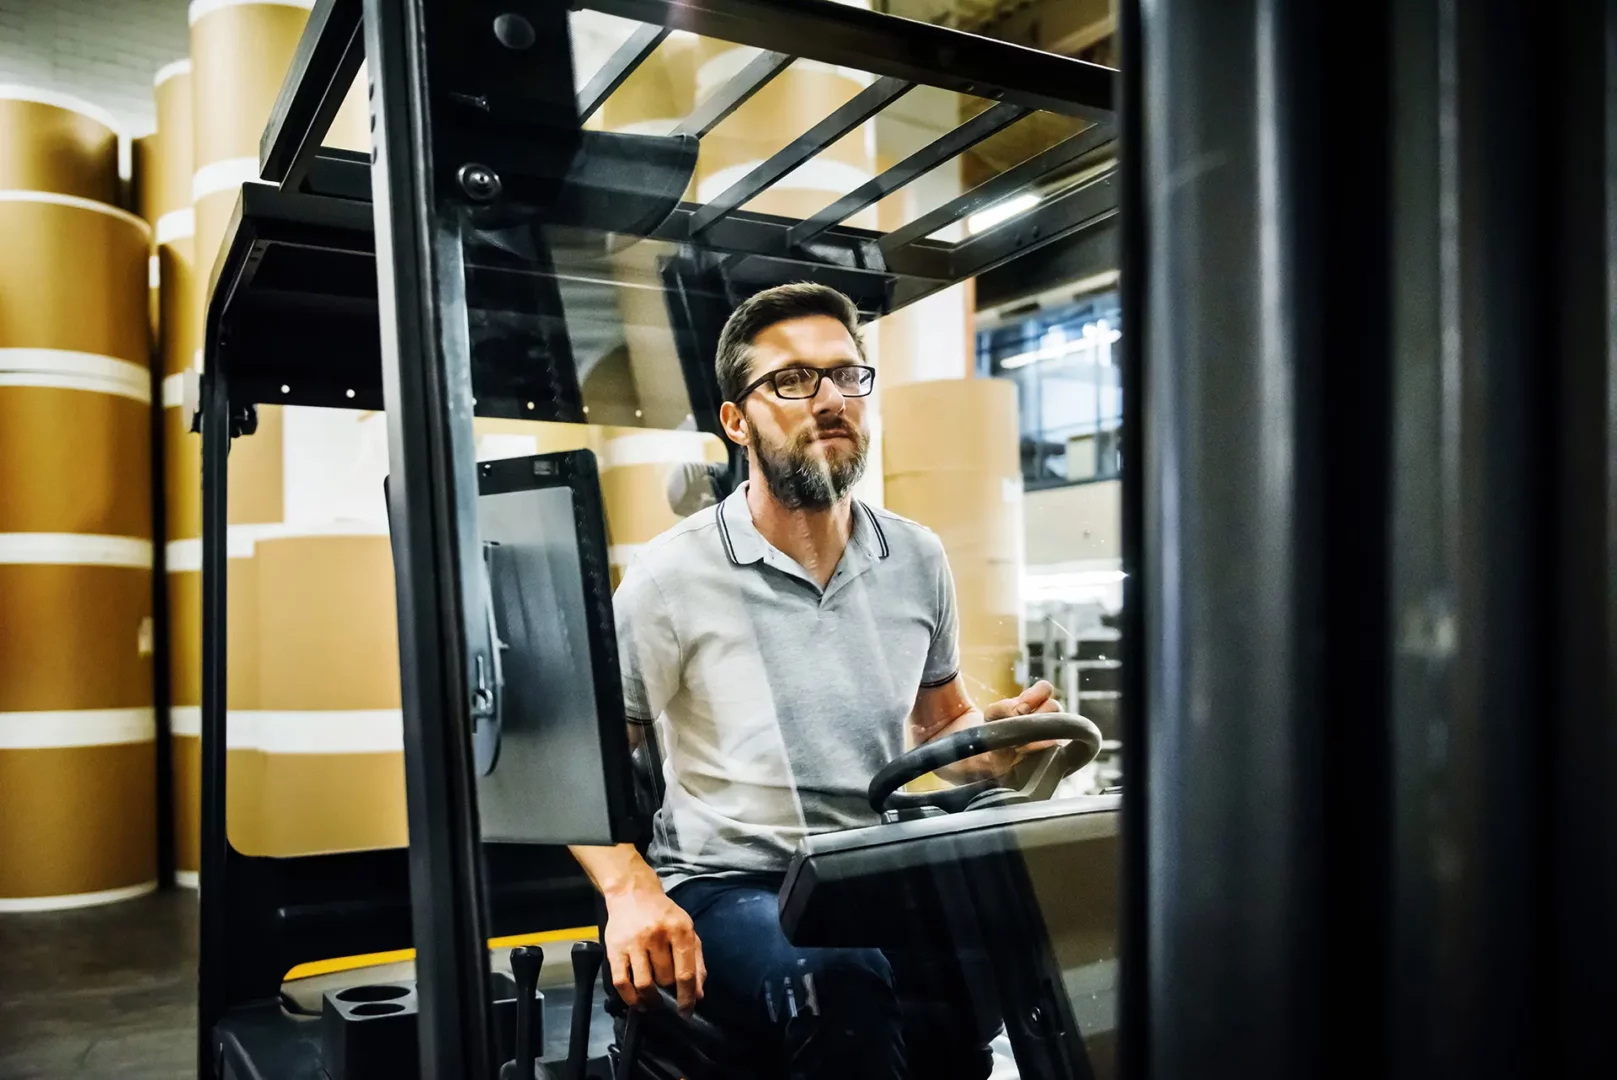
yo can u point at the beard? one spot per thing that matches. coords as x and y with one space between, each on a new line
800 479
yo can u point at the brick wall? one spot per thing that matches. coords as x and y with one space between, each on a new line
103 51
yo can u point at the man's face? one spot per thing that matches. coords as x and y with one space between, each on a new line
810 451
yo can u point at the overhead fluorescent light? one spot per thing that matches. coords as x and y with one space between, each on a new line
983 220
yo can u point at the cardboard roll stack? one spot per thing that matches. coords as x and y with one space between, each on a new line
77 729
314 731
951 450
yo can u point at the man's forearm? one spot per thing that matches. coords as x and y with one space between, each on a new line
615 870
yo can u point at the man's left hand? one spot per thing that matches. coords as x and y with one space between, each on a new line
1038 698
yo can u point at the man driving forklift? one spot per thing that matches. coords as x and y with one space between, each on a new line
778 643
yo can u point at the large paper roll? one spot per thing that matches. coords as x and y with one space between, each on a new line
169 187
950 448
73 461
143 169
317 760
77 821
240 53
77 776
952 424
51 142
73 277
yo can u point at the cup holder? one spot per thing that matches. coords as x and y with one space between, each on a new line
377 1008
371 993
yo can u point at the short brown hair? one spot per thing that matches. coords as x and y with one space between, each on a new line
762 310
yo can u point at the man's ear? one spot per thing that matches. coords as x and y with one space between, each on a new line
734 422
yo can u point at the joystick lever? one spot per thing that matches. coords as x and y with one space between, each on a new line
526 962
586 966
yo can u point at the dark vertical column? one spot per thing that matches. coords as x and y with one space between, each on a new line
427 389
214 974
1261 267
1424 522
1228 582
1134 1032
1522 864
1582 807
162 688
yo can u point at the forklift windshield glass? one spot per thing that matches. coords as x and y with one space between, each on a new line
828 675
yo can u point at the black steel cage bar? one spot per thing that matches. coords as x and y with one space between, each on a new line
997 189
641 43
736 92
331 48
1078 207
425 380
861 107
887 45
215 967
327 59
944 148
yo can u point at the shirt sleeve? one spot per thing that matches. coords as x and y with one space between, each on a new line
943 657
648 650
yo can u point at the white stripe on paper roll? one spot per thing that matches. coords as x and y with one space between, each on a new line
654 448
187 879
177 224
171 69
67 370
325 731
181 556
74 549
174 390
185 720
19 905
201 9
69 381
76 727
74 200
223 176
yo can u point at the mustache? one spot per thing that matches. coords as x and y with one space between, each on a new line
834 427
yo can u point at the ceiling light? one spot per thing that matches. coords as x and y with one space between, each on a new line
987 219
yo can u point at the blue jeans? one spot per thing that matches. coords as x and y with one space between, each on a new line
841 1014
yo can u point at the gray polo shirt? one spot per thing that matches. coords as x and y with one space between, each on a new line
776 701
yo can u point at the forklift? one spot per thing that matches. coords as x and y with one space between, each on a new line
467 268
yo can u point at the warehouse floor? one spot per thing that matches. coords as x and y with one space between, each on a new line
100 992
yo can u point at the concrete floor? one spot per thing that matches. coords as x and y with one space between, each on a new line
100 992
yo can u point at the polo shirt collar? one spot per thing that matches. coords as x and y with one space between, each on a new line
744 544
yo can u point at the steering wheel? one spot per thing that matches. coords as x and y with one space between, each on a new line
1034 778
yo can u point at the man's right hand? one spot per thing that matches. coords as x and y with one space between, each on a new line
651 942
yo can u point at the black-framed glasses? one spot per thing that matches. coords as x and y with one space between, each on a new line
797 383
